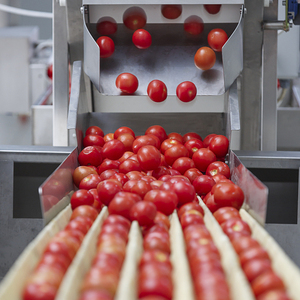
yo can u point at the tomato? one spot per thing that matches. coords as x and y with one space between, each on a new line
143 212
220 178
219 145
134 175
157 140
113 149
81 223
191 135
196 232
81 197
203 158
91 155
255 267
225 213
127 83
165 201
107 189
153 297
142 39
122 178
191 217
38 291
161 218
176 136
218 167
193 25
212 8
186 91
203 184
106 26
108 173
216 39
106 46
182 164
141 141
109 137
168 143
89 182
117 219
127 139
189 206
244 243
122 130
228 194
96 294
175 152
84 210
157 91
93 140
122 203
171 11
94 130
193 145
108 164
129 165
191 174
205 58
157 241
149 157
126 155
141 187
265 282
160 171
207 139
98 205
252 253
158 131
116 230
236 225
134 18
275 294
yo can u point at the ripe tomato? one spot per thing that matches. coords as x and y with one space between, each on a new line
109 137
244 243
123 130
182 164
37 291
218 167
225 213
129 165
91 155
168 143
175 152
96 294
161 218
127 83
190 206
122 178
212 8
193 145
107 189
134 18
98 205
127 139
265 282
81 197
236 225
216 39
158 131
157 241
117 219
108 173
89 182
191 217
193 25
122 203
250 254
126 155
108 164
204 58
141 141
219 145
93 140
157 91
228 194
140 187
149 157
176 136
274 295
142 39
207 139
143 212
255 267
94 130
171 11
203 184
203 158
192 173
186 91
113 149
160 171
191 135
106 26
106 45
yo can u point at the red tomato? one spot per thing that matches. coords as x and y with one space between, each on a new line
244 243
182 164
127 83
236 225
191 217
165 201
91 155
218 167
168 143
84 210
122 203
205 58
175 152
216 39
113 149
122 178
141 187
203 158
275 294
176 136
106 26
117 219
89 182
193 25
203 184
171 11
96 294
106 45
189 206
38 291
153 297
122 130
109 137
161 218
255 267
107 189
192 174
265 282
141 141
127 139
157 241
157 91
158 131
142 39
149 157
143 212
225 213
160 171
94 130
207 139
81 197
108 164
108 173
250 254
134 175
219 145
134 18
219 178
193 145
126 155
129 165
191 135
93 140
228 194
186 91
98 205
212 8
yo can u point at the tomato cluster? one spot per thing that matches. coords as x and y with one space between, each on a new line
46 278
254 259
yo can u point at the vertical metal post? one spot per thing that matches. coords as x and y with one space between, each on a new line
60 76
252 76
269 103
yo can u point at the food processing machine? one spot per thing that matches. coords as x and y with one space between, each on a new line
236 98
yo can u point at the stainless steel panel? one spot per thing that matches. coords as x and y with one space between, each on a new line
165 2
